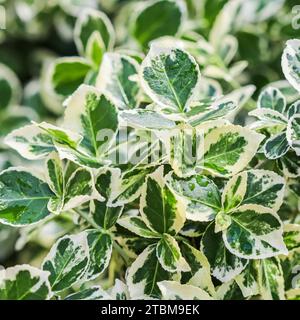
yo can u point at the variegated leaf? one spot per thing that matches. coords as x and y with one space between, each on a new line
100 249
116 77
203 199
289 164
129 185
224 265
92 293
80 189
248 280
66 75
267 118
169 255
257 187
276 146
229 291
291 236
146 119
91 25
229 149
272 98
290 63
162 72
291 269
293 133
119 291
199 275
271 281
31 142
23 197
184 148
67 261
218 109
137 225
24 282
160 209
104 214
82 116
254 233
172 290
144 274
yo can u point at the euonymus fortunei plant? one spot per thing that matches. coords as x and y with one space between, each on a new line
146 181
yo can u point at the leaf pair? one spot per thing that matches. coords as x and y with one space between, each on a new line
72 259
89 127
245 214
77 258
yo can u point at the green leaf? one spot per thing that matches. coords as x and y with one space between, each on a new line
272 98
257 187
146 119
152 20
160 209
169 255
67 74
24 282
67 261
82 116
116 77
100 249
30 142
92 293
93 24
170 77
224 265
293 133
229 149
138 226
144 274
23 197
276 146
203 199
290 63
172 290
271 281
10 87
255 233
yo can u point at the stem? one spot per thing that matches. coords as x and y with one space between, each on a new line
120 251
